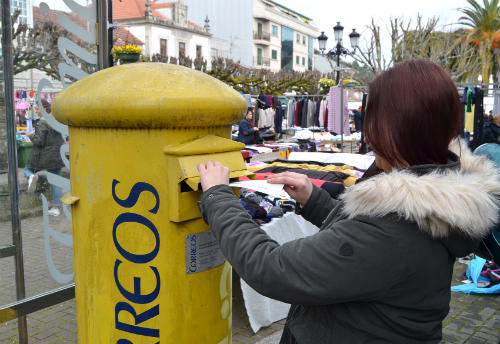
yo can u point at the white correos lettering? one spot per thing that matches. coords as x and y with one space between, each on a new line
66 68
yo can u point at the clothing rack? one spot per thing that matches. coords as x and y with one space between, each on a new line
322 96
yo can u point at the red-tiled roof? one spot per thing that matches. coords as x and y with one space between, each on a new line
53 17
194 24
126 9
164 5
122 36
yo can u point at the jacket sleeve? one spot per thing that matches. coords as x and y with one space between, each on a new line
333 266
40 135
317 208
246 128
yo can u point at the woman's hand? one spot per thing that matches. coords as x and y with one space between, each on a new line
297 185
213 173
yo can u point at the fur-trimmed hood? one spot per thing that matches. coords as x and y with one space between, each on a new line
463 199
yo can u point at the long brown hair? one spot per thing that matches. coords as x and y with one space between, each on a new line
412 113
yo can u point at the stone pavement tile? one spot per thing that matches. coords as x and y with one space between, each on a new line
45 334
470 319
454 325
476 340
494 322
455 337
272 339
8 336
489 338
242 339
68 335
469 329
66 326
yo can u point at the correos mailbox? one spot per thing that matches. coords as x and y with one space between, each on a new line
147 270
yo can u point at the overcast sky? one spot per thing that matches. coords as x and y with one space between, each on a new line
354 13
358 13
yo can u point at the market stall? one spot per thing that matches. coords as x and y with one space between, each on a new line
333 172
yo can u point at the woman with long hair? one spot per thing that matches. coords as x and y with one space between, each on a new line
379 270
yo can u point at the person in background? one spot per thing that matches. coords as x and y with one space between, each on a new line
486 119
358 120
491 130
380 268
246 131
45 156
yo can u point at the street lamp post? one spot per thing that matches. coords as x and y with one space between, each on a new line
338 31
338 50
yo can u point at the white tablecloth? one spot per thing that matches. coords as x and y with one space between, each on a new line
261 310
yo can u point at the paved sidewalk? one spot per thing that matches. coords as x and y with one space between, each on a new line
473 319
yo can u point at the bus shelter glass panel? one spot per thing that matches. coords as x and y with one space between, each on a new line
54 45
7 261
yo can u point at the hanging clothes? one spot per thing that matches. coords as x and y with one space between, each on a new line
470 99
298 113
322 111
260 117
311 112
469 110
276 102
478 118
278 120
316 114
303 119
326 116
363 149
291 112
278 115
266 119
269 100
334 111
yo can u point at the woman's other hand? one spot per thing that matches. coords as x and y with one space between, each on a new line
213 173
297 185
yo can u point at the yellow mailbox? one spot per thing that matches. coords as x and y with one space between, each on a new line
147 270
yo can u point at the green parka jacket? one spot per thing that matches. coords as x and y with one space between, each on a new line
379 270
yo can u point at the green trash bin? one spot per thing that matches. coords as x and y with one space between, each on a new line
23 153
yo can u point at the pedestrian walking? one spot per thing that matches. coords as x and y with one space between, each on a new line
45 156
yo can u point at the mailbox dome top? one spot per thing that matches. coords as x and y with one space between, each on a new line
149 95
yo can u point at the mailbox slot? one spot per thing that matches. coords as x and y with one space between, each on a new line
184 179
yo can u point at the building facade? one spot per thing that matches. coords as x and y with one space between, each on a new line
25 8
164 29
261 33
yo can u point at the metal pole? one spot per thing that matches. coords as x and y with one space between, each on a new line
341 117
496 97
110 32
12 153
102 38
338 62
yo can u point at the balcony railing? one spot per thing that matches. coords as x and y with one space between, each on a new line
262 61
265 36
